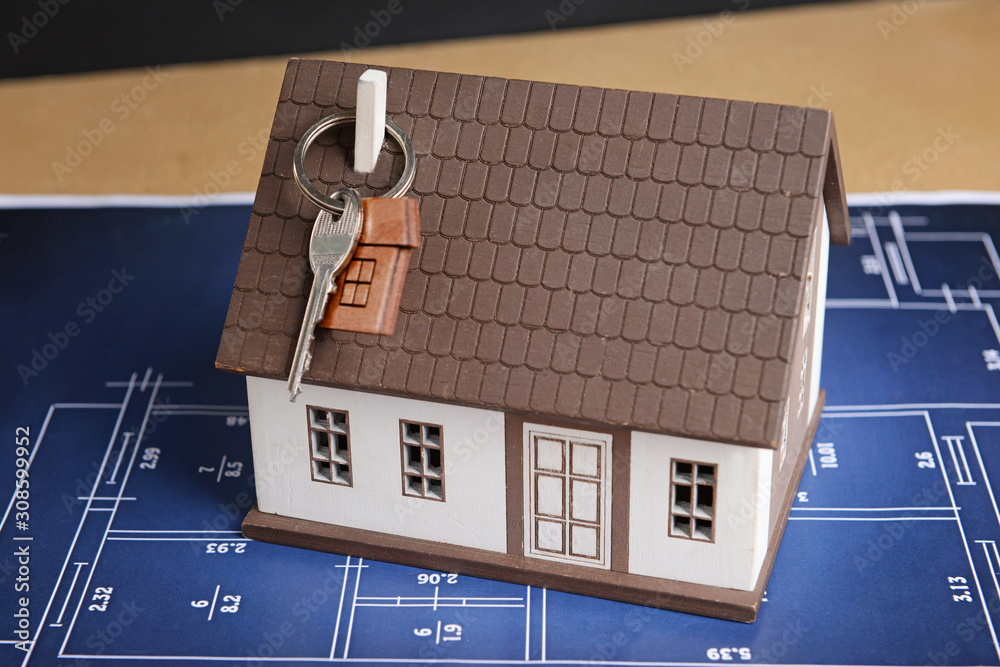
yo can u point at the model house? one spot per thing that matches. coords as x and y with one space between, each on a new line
603 376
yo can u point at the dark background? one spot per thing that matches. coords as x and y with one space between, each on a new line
48 37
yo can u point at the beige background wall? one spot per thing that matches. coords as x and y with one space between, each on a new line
914 86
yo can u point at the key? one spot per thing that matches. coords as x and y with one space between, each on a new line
330 248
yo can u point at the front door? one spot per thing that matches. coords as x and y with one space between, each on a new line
567 495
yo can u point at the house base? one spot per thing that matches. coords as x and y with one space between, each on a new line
725 603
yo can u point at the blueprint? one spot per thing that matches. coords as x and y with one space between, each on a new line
125 548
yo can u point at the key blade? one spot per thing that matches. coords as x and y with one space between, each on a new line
318 297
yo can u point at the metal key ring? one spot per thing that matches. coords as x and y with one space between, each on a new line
327 202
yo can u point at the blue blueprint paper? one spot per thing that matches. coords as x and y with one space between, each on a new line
141 474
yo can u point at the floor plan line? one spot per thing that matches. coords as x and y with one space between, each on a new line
354 605
877 246
114 511
871 509
897 230
340 606
83 515
527 625
961 530
69 594
982 466
121 453
915 406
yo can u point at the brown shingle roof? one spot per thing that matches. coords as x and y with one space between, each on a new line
607 256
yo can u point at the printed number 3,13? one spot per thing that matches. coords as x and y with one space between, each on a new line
959 584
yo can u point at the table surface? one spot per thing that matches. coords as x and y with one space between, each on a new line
912 84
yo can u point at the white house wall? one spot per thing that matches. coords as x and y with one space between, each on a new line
474 513
742 502
820 310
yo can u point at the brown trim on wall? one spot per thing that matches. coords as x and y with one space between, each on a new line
621 493
514 460
834 194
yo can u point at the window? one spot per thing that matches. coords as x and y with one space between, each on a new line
423 460
329 446
692 498
357 283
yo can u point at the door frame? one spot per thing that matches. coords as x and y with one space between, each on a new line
604 495
619 461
